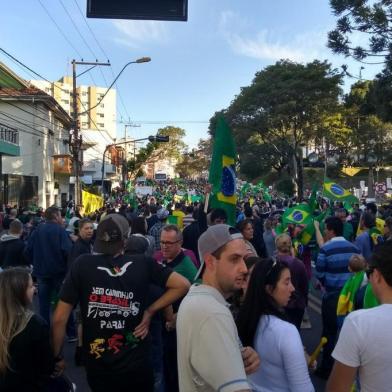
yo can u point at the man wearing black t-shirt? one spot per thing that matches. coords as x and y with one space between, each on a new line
112 290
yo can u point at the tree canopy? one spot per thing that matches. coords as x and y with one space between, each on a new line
283 109
370 19
154 151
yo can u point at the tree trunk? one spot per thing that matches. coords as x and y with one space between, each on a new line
300 177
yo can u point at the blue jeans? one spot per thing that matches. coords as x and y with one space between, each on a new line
48 291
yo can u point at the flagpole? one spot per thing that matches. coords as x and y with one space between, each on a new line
206 203
325 165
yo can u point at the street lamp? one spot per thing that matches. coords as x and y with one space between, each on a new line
157 138
76 139
138 61
371 159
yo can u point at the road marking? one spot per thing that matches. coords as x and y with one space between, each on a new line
313 306
314 299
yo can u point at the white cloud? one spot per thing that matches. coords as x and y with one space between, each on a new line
134 33
266 45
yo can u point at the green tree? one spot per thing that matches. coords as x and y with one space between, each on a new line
196 162
369 18
282 110
370 134
155 151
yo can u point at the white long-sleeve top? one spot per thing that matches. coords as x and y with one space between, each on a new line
283 365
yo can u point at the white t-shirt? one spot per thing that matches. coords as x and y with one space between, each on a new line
208 347
365 342
283 365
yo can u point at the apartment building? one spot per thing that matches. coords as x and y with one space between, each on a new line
102 118
97 126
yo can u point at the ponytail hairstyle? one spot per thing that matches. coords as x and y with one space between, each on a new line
258 301
15 310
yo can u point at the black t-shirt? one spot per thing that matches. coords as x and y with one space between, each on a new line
31 359
12 253
113 294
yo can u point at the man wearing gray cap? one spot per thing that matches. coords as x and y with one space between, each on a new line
210 354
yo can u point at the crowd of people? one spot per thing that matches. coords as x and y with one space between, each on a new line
163 295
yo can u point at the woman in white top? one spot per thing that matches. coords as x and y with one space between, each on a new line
262 324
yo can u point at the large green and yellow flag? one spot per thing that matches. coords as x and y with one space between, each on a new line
334 191
222 171
299 215
347 296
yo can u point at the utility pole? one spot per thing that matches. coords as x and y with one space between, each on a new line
125 163
76 139
75 144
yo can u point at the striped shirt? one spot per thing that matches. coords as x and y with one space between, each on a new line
332 263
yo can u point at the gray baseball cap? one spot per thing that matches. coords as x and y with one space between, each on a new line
214 238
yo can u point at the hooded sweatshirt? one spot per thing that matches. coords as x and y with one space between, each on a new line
12 251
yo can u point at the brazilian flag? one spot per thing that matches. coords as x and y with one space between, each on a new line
376 236
334 191
299 215
222 171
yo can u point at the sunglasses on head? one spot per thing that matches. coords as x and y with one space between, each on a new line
271 268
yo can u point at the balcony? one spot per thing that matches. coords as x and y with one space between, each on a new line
91 167
9 141
62 164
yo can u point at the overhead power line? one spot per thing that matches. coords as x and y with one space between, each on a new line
47 80
77 29
12 125
32 114
60 30
168 122
105 55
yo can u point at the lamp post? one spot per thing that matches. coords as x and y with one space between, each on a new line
76 138
138 61
157 138
371 159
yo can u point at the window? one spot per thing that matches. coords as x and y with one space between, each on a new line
66 101
84 124
84 93
100 125
101 115
101 105
47 90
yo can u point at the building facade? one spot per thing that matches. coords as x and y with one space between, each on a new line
39 174
102 118
97 127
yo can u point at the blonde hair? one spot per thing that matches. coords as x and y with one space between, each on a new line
357 263
14 309
283 243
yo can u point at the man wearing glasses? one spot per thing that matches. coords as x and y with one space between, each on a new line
365 342
173 257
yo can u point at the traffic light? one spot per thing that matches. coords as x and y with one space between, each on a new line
158 138
162 138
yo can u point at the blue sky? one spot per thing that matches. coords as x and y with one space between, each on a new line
197 66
